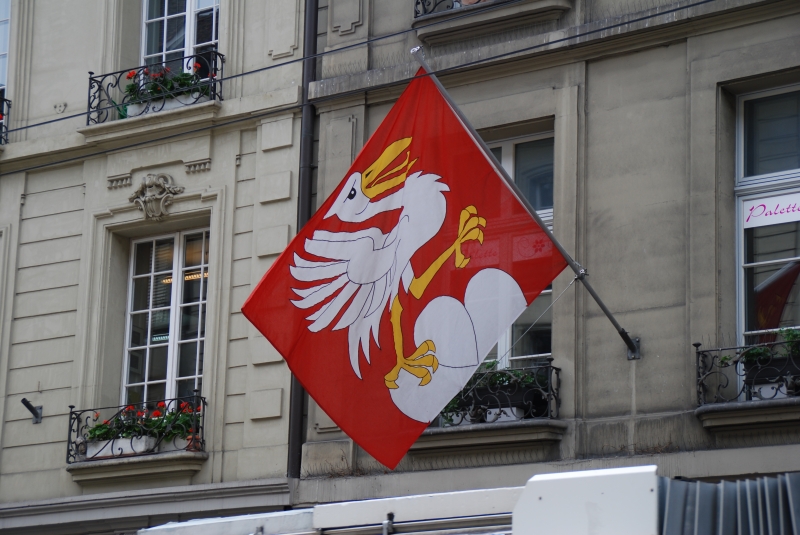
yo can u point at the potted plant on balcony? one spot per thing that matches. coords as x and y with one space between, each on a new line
157 88
772 363
129 432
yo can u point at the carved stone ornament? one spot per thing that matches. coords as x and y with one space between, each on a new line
154 194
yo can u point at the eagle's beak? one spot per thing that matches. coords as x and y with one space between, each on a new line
377 180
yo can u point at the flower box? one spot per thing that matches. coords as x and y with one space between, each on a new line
162 104
119 447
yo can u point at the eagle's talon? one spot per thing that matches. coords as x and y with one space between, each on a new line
470 227
417 365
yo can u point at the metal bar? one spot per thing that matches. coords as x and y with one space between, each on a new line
297 394
580 272
36 411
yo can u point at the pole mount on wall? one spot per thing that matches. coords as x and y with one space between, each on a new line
36 411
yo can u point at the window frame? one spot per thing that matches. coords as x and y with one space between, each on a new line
173 350
504 357
770 178
188 32
753 188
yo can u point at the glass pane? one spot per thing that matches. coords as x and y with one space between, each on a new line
3 69
191 285
155 37
188 360
4 37
156 392
204 29
159 327
772 296
205 3
190 317
154 60
202 321
498 153
176 33
205 284
162 292
533 172
5 8
144 257
157 371
205 248
200 356
772 242
536 340
176 6
138 329
186 388
155 9
193 252
164 254
772 134
136 366
141 293
135 395
174 61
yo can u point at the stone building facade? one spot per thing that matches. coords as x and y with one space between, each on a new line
645 133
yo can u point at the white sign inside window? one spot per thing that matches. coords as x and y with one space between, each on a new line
771 211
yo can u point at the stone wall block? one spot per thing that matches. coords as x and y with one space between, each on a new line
277 134
345 15
283 25
272 240
265 404
275 187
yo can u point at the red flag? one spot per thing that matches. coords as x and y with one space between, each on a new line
377 305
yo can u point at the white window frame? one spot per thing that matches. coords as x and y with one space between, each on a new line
752 188
4 83
189 30
173 355
770 179
504 357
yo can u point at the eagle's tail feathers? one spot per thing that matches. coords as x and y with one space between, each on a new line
356 307
324 316
317 294
318 273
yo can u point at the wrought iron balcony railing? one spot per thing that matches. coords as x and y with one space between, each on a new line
493 395
5 108
427 7
758 372
138 429
151 88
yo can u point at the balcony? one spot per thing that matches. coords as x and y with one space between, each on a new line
141 429
154 88
745 387
507 395
5 108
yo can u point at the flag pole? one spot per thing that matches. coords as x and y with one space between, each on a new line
580 273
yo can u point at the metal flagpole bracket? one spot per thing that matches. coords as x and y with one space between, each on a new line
632 344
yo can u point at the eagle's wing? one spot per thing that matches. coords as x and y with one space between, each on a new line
360 299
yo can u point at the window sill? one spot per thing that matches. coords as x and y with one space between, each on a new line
490 22
165 122
178 467
503 434
747 415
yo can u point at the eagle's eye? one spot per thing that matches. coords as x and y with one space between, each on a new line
352 194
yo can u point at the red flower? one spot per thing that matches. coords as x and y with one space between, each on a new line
146 71
213 75
155 414
197 65
1 116
161 405
96 415
130 408
131 74
198 409
106 422
139 413
167 69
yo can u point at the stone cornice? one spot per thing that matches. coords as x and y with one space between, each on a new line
637 31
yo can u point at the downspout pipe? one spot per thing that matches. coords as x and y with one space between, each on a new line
304 211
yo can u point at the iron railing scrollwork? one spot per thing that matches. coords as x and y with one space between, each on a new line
137 429
149 88
427 7
758 372
5 108
493 395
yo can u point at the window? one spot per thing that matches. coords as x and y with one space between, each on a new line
529 161
166 321
769 213
177 28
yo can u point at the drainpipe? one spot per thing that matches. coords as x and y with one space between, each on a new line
304 210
